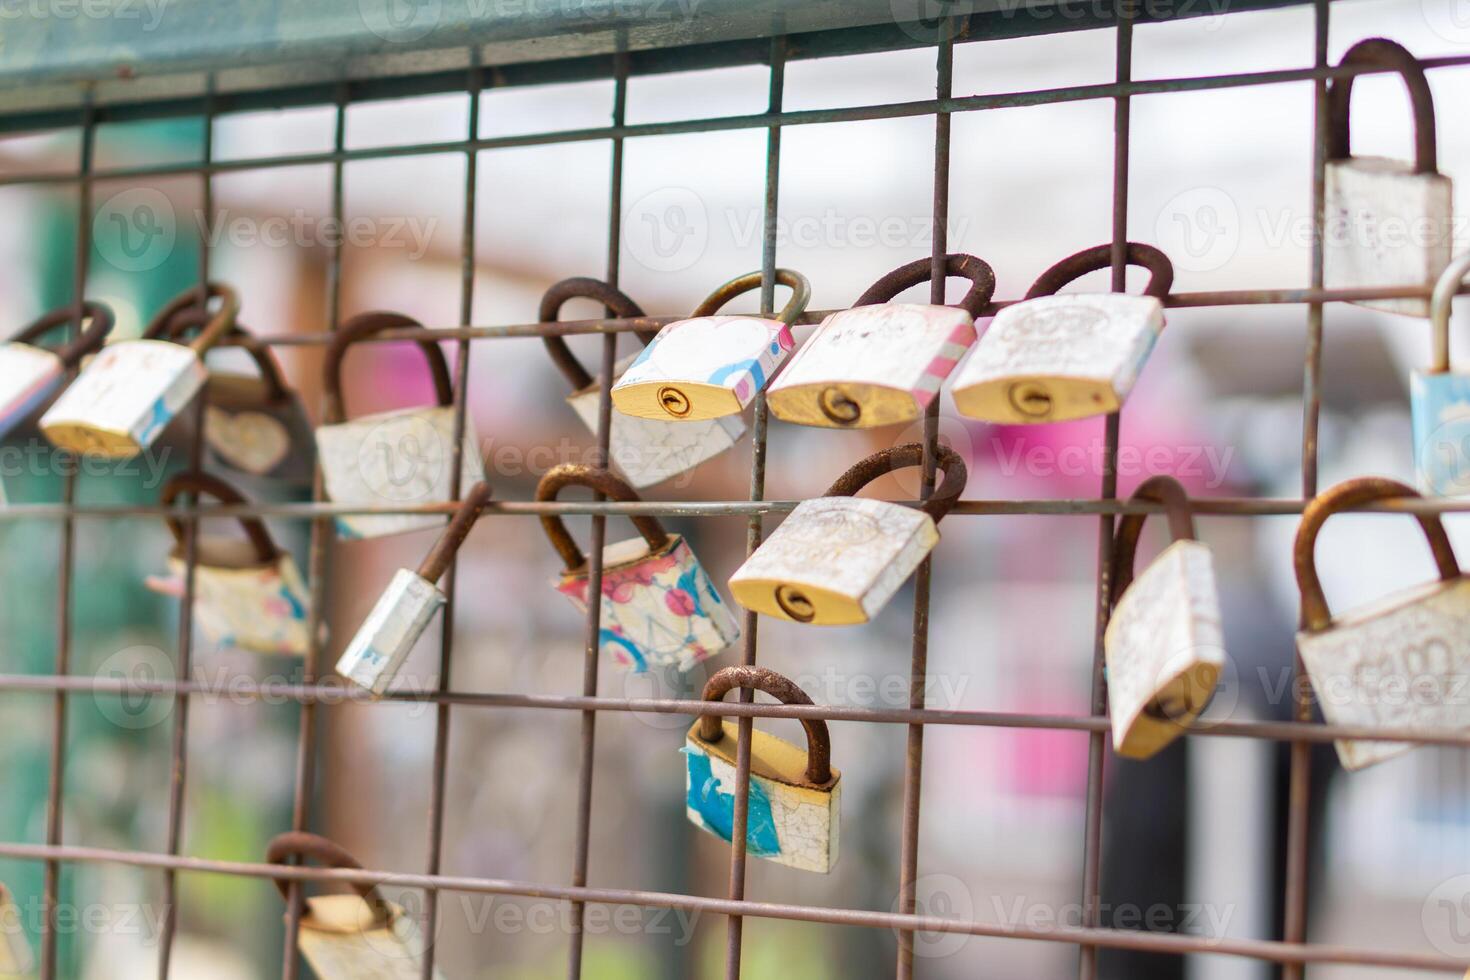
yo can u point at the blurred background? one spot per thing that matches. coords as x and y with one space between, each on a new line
1220 180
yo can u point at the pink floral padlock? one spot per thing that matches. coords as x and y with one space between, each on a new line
659 608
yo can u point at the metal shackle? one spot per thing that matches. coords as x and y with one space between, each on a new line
865 471
956 264
783 689
574 474
202 484
99 323
300 844
1393 56
1160 490
436 562
801 294
362 326
1161 270
216 327
619 303
193 318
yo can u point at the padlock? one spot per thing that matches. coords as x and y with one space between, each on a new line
132 389
881 362
643 451
399 457
710 366
29 373
404 610
1387 222
659 608
1163 646
354 936
253 424
1440 400
248 593
15 952
795 799
1398 663
1053 358
838 559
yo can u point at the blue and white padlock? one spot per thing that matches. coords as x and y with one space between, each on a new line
1441 401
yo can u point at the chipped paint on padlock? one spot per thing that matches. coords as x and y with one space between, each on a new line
15 952
394 458
127 395
1387 222
644 451
253 424
30 374
248 593
794 806
404 610
354 936
837 560
710 366
1398 663
1051 358
881 362
659 608
1164 646
1440 401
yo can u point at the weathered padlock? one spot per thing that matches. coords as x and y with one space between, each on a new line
659 608
398 457
1051 358
253 424
1388 223
838 559
404 610
710 366
795 799
15 951
354 936
1440 400
881 362
132 389
29 373
1399 663
643 451
248 593
1163 645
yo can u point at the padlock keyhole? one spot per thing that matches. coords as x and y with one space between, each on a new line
794 604
838 406
1031 399
673 401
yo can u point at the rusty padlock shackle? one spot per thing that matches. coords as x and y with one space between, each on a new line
204 484
87 342
1440 302
1393 56
956 264
783 689
436 562
218 326
801 294
1350 494
865 471
584 287
298 843
365 325
575 474
192 318
1161 490
1101 257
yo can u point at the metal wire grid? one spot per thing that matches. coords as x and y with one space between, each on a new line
1293 952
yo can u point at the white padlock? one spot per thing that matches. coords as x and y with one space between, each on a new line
407 606
30 373
1051 358
838 559
1386 222
127 395
711 366
881 363
644 451
355 936
1399 663
401 457
1164 646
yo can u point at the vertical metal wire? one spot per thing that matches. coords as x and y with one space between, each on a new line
735 925
65 568
913 781
592 640
323 531
1299 787
1097 741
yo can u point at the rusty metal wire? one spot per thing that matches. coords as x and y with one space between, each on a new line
315 693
